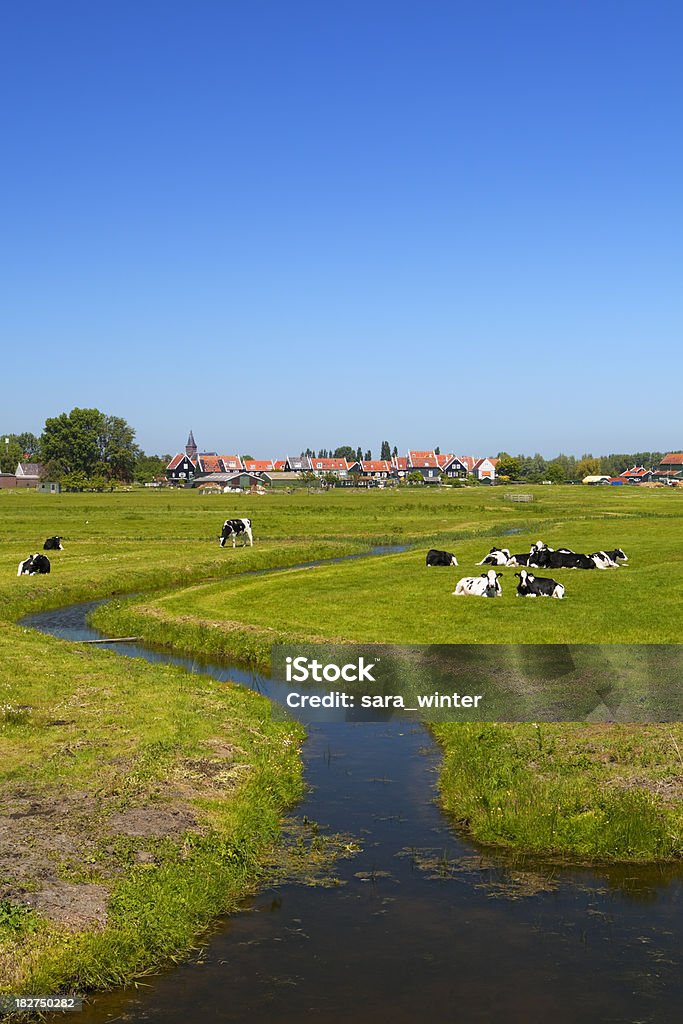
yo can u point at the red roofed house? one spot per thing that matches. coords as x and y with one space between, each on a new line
380 469
426 463
259 465
670 468
636 475
452 467
469 462
339 467
485 470
279 465
400 465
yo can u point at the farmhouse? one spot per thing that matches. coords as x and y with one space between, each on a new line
670 469
426 463
636 475
485 469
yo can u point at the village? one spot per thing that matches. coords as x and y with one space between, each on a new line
210 471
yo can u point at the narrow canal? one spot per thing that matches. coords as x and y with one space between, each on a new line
423 925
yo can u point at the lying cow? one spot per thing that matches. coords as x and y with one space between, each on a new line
537 586
34 565
235 528
53 544
496 556
522 559
547 559
617 553
486 585
603 560
609 558
436 557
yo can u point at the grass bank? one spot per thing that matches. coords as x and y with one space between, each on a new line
138 803
573 791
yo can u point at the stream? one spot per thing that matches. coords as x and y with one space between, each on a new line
423 925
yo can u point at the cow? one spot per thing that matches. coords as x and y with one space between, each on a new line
486 585
547 559
537 586
34 565
603 560
436 557
613 556
538 552
522 559
53 544
234 528
496 556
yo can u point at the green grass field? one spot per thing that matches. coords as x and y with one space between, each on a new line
81 731
397 599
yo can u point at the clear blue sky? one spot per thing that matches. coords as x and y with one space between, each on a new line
297 222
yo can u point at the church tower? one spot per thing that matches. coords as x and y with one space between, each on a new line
191 447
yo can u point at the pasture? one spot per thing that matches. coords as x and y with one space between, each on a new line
84 731
397 599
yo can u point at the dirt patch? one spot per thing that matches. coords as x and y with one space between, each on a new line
60 852
75 907
152 821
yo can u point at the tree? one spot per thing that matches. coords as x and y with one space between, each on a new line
368 455
359 455
345 451
148 467
28 443
588 466
89 443
555 472
385 451
437 450
508 466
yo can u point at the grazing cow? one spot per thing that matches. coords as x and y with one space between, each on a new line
436 557
537 586
496 556
34 565
547 559
53 544
486 585
234 528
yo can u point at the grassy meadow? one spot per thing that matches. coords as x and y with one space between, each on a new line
150 797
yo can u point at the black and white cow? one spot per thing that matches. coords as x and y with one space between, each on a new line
547 559
539 550
617 553
537 586
53 544
522 559
34 565
496 556
486 585
610 557
235 528
603 560
436 557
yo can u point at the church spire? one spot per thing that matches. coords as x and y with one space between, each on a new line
191 447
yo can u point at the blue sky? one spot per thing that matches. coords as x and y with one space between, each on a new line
286 223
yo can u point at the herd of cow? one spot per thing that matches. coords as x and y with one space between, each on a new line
539 557
486 585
